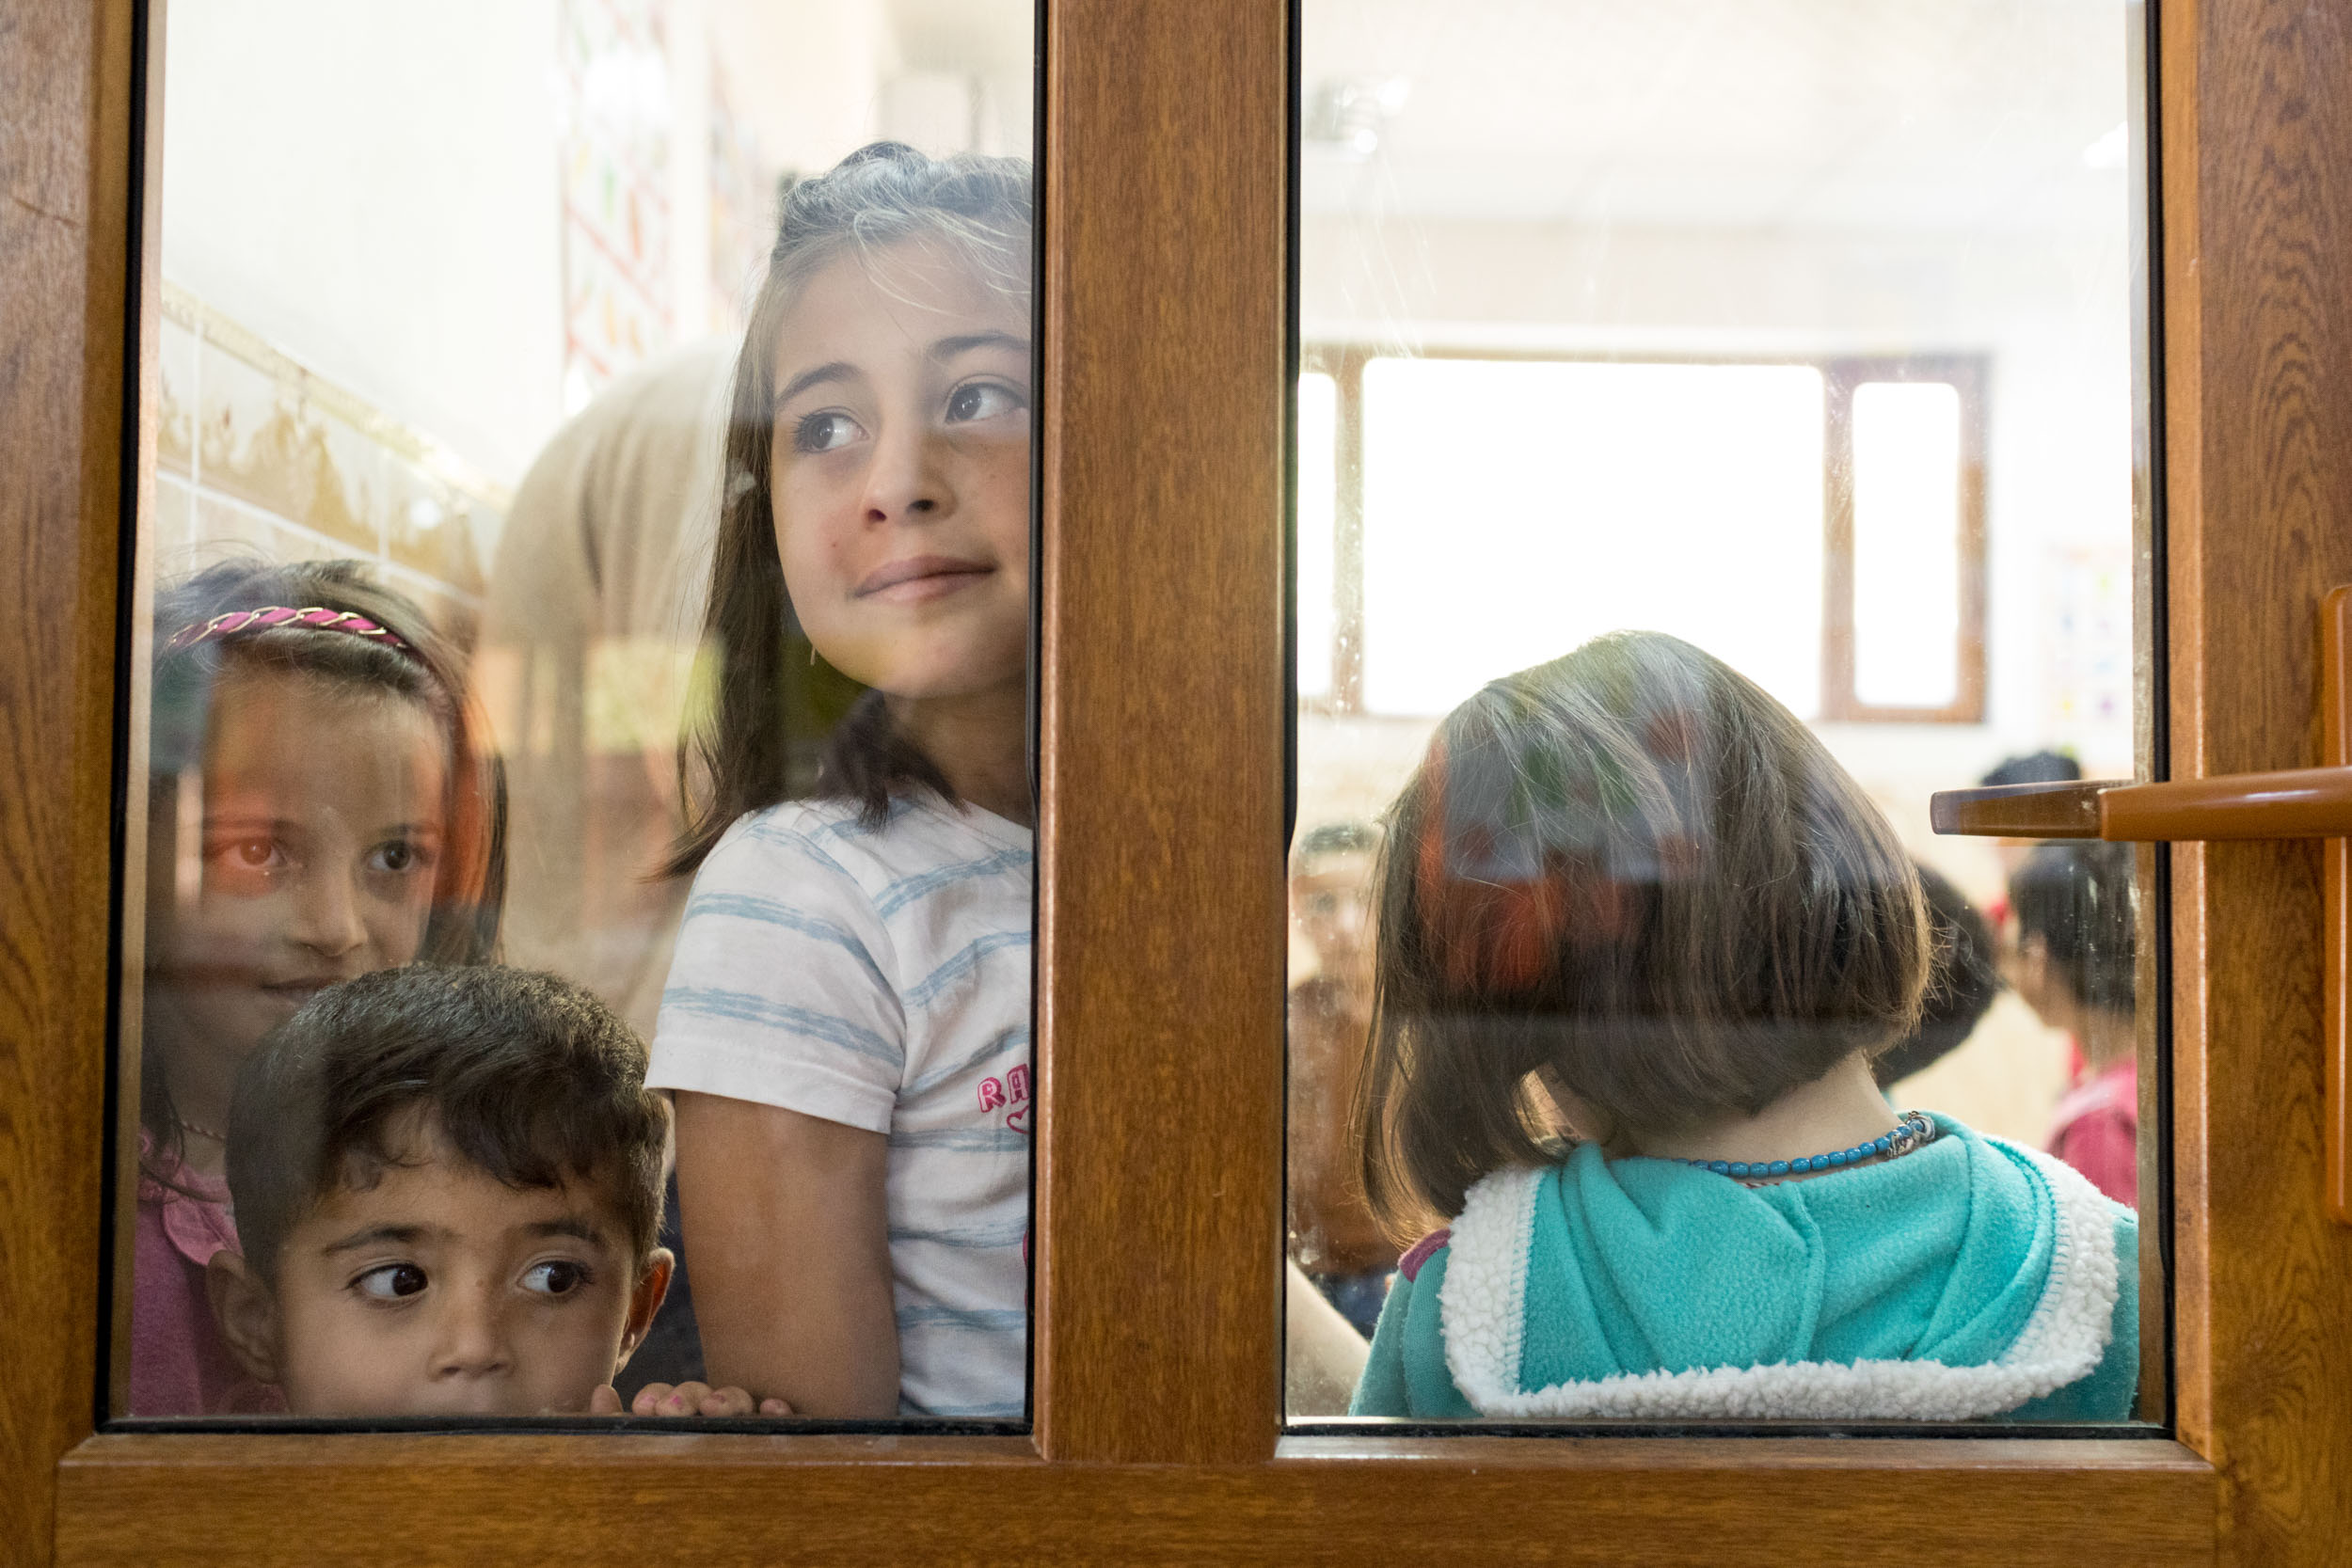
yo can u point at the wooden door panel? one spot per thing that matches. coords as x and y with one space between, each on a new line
1160 923
2257 163
64 210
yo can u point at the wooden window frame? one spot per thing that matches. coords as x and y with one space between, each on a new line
1344 363
1158 1434
1841 703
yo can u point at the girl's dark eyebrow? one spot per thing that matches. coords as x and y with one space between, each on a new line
839 370
948 348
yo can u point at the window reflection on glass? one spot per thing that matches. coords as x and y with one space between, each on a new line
1730 447
588 838
1318 523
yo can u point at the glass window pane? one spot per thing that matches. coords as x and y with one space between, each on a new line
1747 398
589 835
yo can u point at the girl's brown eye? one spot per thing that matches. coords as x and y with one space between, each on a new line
399 857
981 399
248 857
823 432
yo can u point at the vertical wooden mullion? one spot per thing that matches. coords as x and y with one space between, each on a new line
1160 914
65 173
2257 344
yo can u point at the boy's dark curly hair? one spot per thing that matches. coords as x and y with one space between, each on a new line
524 1075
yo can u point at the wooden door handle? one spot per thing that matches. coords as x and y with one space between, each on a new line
2298 803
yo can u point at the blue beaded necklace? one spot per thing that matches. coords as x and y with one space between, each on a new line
1915 1128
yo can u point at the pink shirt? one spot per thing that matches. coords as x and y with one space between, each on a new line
180 1364
2096 1130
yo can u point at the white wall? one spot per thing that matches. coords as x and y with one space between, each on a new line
373 188
807 73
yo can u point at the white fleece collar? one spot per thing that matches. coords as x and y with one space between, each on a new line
1482 1307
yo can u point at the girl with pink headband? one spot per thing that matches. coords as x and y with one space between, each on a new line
321 803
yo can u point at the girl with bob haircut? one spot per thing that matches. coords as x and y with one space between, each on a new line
847 1018
321 805
1640 937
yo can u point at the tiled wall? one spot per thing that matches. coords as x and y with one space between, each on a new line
254 452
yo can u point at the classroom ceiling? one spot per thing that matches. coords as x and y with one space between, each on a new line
1739 114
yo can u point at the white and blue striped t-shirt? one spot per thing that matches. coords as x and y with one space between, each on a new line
881 979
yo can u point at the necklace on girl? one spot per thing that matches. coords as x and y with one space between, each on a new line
1916 1130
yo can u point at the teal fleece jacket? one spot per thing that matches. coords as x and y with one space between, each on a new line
1970 1278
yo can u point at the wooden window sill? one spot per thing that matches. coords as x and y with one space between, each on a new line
264 1499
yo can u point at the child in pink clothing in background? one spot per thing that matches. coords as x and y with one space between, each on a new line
2071 962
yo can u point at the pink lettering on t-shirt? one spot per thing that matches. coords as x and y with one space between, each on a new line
991 1094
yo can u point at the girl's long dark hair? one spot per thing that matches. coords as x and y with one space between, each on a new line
470 883
767 703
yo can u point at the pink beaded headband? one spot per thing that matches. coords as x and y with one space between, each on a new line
316 617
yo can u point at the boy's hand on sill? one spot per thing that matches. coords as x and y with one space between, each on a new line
684 1399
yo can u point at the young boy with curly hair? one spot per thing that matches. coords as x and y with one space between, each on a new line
448 1184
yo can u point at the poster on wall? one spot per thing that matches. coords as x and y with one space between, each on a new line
617 310
2086 653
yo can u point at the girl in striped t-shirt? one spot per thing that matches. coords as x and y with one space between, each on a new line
847 1020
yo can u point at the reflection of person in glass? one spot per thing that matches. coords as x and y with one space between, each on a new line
847 1020
1631 879
588 633
1964 977
2071 904
589 626
1333 1236
318 808
2043 766
448 1184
